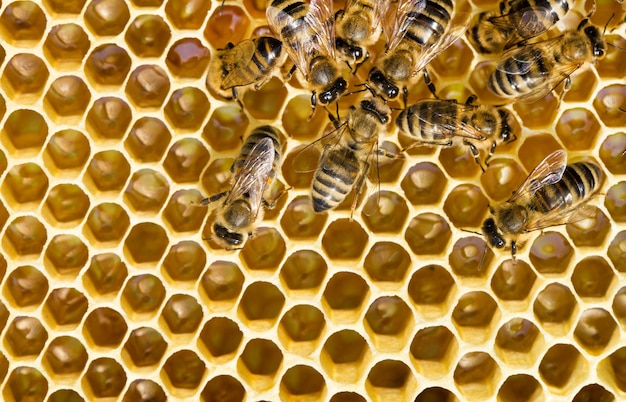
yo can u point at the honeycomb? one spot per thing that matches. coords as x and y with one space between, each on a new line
111 289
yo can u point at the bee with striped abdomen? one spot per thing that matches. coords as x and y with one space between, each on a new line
253 173
308 36
519 20
249 62
554 193
358 27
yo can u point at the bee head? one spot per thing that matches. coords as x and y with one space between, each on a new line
490 230
229 239
334 92
371 107
506 135
596 38
382 85
354 53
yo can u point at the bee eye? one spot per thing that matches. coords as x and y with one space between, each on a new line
392 91
358 53
599 52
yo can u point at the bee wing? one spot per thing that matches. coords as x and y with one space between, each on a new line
236 57
322 21
548 171
277 18
526 22
254 174
457 127
310 154
396 20
561 217
454 32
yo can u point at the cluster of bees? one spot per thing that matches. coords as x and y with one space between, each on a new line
320 42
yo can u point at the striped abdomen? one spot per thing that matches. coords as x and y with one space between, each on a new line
430 23
429 120
254 138
334 178
522 72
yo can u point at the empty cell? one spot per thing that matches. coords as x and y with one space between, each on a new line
261 301
424 183
592 277
520 387
145 346
477 374
470 257
387 262
66 46
144 390
302 323
187 108
513 281
559 365
594 330
265 250
300 222
65 307
301 381
592 231
551 253
105 378
465 206
295 119
392 378
221 336
428 234
65 355
185 14
105 327
182 314
554 304
259 363
107 66
221 385
148 86
615 201
225 128
267 102
222 281
612 153
345 355
430 285
146 243
148 35
107 17
385 212
143 294
344 239
184 369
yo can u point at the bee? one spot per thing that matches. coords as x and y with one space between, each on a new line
553 194
447 122
357 27
253 171
249 62
308 36
529 72
417 31
345 158
519 20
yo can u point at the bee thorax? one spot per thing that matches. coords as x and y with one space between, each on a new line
238 214
512 219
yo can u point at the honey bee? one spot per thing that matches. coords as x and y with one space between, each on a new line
253 172
529 72
308 36
417 31
447 122
345 159
553 194
519 20
357 27
249 62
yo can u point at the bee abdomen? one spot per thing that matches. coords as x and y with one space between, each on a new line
334 179
431 23
253 139
515 77
580 180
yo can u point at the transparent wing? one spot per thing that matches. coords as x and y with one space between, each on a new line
254 174
322 22
520 60
526 22
397 19
548 171
452 34
279 20
310 154
456 127
573 214
234 59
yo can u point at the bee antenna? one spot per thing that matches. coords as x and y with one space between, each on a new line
471 231
615 46
607 24
482 258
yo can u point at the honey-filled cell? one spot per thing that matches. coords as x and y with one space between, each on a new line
148 35
106 17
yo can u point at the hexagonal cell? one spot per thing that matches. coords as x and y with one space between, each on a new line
391 378
385 211
65 395
592 231
594 330
106 223
551 253
592 277
143 391
513 280
225 128
222 281
593 392
610 103
108 119
24 132
184 369
578 129
65 355
64 7
182 314
295 119
26 383
143 293
476 375
346 396
106 274
107 65
266 103
617 251
540 114
66 205
345 292
148 139
24 77
583 85
148 86
65 46
185 160
25 184
147 191
26 286
474 310
261 301
146 243
502 178
518 342
221 337
187 108
22 23
389 322
227 24
559 364
465 206
67 150
615 201
387 169
4 316
66 255
535 148
344 239
25 236
429 288
65 307
345 355
259 363
145 346
221 385
458 162
182 212
148 35
470 257
611 153
25 336
300 222
609 66
187 14
554 305
107 17
105 378
455 61
619 305
66 99
428 234
264 251
300 329
520 387
387 262
613 366
303 270
302 381
185 261
107 171
432 350
188 58
217 177
105 327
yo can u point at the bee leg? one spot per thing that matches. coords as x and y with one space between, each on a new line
290 73
471 99
429 83
513 250
475 153
236 97
271 204
492 149
358 186
214 198
405 96
567 85
313 105
356 67
502 7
